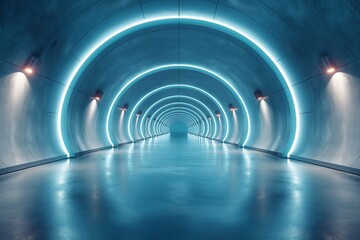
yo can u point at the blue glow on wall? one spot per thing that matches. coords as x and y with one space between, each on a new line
125 29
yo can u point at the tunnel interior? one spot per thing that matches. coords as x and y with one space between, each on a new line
277 78
233 74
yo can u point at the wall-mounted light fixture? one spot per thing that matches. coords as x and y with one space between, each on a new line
232 108
258 95
32 65
218 114
138 114
327 64
98 95
148 117
124 108
208 117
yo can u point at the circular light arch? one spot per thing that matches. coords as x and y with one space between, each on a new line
159 117
177 86
234 30
192 120
168 111
177 97
177 113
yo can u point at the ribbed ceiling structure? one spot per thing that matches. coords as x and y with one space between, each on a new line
250 73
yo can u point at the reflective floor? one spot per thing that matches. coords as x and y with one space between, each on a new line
179 187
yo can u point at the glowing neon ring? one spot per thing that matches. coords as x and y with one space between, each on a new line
176 96
234 31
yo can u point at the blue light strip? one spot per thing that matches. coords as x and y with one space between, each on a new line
182 113
173 116
170 104
177 108
160 117
190 119
170 67
176 114
165 118
178 86
177 97
236 31
202 130
161 120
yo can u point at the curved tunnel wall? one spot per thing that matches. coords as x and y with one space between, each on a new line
225 138
328 105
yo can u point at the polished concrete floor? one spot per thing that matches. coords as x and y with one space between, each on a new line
179 187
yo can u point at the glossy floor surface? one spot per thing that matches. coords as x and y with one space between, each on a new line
179 187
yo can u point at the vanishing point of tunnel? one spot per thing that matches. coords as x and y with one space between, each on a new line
179 119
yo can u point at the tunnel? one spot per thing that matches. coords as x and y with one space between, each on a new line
180 119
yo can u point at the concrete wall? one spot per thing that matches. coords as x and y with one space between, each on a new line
295 33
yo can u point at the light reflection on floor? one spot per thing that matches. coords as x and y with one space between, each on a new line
179 187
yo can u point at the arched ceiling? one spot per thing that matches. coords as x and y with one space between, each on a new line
190 44
227 49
